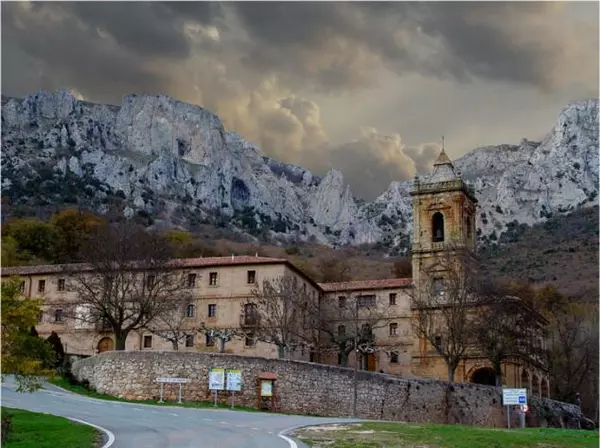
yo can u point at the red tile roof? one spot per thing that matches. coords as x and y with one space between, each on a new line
366 284
184 262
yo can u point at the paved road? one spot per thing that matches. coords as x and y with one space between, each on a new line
141 426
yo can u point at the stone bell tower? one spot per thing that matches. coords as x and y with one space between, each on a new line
444 212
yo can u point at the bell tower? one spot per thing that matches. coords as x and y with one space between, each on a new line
444 212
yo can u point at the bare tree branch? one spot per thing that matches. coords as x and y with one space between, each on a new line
223 335
171 324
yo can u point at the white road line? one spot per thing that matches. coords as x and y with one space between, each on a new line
111 436
207 419
223 423
256 429
288 440
175 415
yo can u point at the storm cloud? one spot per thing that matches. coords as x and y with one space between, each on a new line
323 84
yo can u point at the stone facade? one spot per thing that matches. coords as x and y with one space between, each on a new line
315 389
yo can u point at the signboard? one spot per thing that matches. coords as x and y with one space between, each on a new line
172 380
216 379
234 380
266 388
514 397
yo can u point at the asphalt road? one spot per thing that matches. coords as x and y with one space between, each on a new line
146 426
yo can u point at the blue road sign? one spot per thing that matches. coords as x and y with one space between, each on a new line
522 399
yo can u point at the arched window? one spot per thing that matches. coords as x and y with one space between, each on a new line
437 227
191 310
469 229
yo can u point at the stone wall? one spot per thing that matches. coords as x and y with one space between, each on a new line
315 389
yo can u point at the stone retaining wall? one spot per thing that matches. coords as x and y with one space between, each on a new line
315 389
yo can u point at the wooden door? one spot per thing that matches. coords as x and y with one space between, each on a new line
371 362
105 345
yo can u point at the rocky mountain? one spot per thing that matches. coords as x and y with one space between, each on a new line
175 162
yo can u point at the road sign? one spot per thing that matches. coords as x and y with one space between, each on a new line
515 397
234 380
216 379
172 380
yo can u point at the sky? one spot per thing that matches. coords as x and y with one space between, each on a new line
367 88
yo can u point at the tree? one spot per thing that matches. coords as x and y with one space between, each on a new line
349 323
572 346
127 280
72 228
223 335
506 327
336 270
442 303
277 313
170 325
402 268
34 238
23 354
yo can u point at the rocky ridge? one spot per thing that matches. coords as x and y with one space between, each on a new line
159 157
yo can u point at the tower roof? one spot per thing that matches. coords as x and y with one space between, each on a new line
442 159
443 169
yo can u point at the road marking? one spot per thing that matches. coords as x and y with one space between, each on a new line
288 440
111 436
256 429
223 423
207 419
175 415
270 432
136 409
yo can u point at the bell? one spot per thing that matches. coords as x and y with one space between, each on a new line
438 233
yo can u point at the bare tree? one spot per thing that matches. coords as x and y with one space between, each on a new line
126 281
443 300
505 327
278 313
223 335
171 324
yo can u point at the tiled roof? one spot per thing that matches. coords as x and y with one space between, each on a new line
184 262
366 284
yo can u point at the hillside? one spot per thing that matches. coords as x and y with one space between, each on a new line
174 164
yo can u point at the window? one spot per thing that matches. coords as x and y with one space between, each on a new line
437 341
392 298
210 340
148 341
58 315
393 329
249 340
438 287
250 314
191 280
312 356
437 227
61 284
41 285
251 279
339 359
366 301
191 310
212 279
394 358
342 302
189 340
150 281
22 286
212 310
341 330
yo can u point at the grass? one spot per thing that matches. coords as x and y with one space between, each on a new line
376 435
81 390
34 430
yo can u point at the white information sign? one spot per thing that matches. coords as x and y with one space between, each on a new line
514 397
172 380
234 380
216 379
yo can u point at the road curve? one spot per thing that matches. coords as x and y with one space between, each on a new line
147 426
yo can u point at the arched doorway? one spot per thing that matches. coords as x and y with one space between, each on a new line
484 375
535 386
525 380
105 345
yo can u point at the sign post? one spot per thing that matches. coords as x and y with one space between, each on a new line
515 397
234 383
179 381
216 382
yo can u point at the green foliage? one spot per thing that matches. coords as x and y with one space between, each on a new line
57 348
34 238
72 227
23 354
35 430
